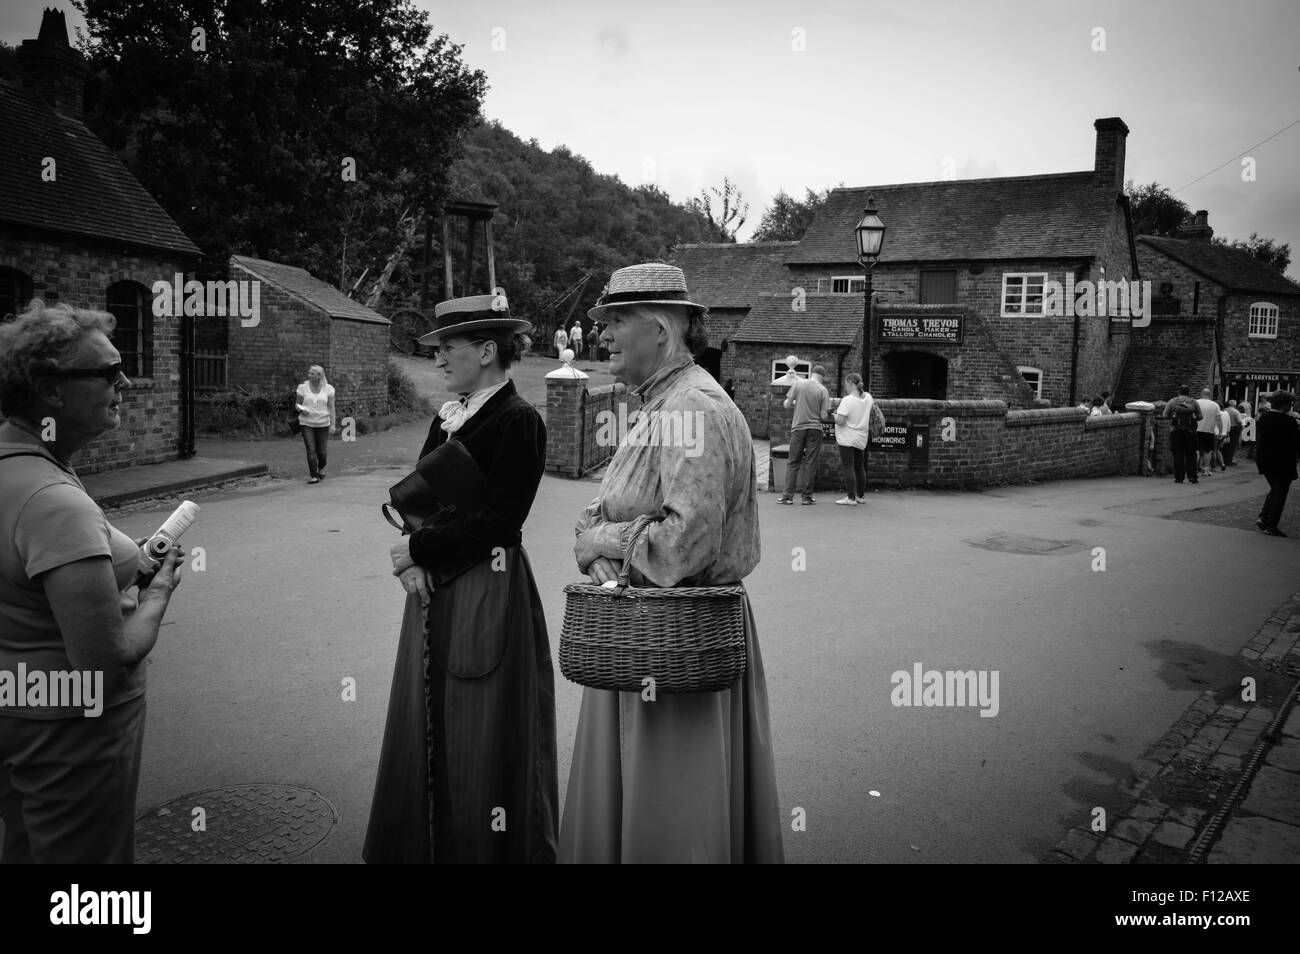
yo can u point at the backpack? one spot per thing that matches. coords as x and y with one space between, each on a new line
1183 418
876 425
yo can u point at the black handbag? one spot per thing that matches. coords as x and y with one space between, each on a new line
445 482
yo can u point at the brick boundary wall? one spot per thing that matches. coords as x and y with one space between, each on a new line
572 424
994 445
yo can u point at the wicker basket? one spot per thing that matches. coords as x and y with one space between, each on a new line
685 638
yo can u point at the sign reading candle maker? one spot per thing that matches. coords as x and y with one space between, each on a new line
946 328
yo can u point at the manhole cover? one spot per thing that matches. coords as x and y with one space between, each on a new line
243 824
1013 543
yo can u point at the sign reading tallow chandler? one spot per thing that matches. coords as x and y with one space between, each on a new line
946 328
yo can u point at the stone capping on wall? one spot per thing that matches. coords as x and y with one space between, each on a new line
1116 419
984 408
1028 417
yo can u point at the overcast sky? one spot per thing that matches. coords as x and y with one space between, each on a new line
792 95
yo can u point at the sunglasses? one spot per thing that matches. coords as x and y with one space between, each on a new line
109 374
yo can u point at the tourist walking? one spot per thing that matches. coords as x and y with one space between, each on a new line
1183 414
1277 447
314 402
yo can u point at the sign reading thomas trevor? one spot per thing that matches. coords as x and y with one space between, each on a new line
945 328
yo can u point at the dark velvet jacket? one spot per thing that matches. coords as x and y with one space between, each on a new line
507 439
1277 443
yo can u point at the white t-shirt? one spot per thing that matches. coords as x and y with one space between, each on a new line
317 404
1209 421
1225 423
857 426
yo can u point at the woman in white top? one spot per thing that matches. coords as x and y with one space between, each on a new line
315 407
852 427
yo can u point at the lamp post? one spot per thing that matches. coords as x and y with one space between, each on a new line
870 234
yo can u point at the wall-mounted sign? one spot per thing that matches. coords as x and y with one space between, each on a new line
944 328
894 439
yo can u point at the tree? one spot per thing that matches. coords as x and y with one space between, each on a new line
788 218
1262 249
727 221
1155 210
247 132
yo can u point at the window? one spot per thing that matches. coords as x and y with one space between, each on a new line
938 287
132 305
1034 378
780 369
1022 293
1263 320
15 292
847 285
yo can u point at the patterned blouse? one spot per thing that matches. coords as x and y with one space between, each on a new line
688 461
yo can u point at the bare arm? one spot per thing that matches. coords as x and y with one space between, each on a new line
86 604
331 410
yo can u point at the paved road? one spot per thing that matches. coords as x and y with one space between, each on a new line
245 685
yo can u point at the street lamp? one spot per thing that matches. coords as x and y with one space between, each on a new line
870 233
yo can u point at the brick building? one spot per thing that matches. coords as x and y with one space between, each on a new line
1221 320
963 305
305 321
77 227
729 277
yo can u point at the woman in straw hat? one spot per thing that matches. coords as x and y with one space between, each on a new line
687 777
467 772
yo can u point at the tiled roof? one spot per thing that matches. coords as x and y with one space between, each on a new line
1050 216
92 193
299 283
732 275
1156 373
827 319
1232 268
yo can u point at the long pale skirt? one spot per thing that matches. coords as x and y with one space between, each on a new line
685 778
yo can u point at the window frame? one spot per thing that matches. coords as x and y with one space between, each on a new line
860 279
777 376
1266 321
141 352
1036 386
1024 296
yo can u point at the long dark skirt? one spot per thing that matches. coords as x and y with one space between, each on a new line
467 772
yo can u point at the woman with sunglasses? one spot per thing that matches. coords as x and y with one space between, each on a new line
467 772
68 772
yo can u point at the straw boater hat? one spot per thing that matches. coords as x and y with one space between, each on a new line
477 313
650 284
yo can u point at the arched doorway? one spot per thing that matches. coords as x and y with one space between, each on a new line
916 374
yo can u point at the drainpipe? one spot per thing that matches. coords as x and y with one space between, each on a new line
1074 364
1218 343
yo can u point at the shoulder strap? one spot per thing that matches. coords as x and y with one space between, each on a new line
27 454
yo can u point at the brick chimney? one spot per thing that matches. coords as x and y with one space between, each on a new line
1199 230
52 69
1108 167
